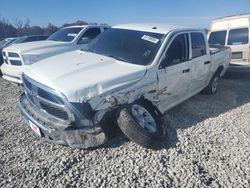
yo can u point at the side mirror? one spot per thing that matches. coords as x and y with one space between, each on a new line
163 63
203 51
84 40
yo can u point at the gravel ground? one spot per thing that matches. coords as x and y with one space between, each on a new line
207 145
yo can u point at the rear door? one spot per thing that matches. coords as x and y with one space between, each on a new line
173 73
238 41
201 62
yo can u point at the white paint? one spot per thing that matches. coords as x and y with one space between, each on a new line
89 77
33 52
235 22
83 75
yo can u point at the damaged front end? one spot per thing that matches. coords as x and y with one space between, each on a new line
58 120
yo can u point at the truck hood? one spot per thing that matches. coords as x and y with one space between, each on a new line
29 47
82 75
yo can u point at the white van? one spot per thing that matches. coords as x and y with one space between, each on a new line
233 31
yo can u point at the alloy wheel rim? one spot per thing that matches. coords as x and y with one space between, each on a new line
215 84
144 118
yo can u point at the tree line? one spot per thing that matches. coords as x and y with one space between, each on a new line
23 28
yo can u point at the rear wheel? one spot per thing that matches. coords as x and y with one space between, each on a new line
213 85
141 124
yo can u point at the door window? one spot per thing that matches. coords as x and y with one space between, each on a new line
91 33
177 52
238 36
198 45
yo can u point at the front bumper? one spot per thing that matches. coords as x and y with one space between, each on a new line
12 73
71 135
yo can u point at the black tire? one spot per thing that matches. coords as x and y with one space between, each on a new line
132 129
212 86
110 127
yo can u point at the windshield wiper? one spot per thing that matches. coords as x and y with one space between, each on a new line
88 50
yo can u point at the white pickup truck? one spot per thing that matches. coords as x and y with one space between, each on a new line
133 73
18 56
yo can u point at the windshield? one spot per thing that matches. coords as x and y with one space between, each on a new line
136 47
217 37
5 42
19 40
65 35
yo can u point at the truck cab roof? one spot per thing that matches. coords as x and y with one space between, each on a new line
152 27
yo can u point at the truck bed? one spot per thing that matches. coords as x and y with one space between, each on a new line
217 48
220 55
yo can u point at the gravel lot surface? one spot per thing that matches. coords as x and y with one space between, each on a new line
207 145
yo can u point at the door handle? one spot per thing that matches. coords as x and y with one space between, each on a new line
186 70
207 62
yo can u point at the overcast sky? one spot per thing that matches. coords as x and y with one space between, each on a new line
195 13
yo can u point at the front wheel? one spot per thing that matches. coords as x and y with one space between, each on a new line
140 124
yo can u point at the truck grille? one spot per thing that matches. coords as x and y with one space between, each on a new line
15 62
12 54
12 58
54 111
46 101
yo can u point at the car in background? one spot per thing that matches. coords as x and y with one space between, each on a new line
9 41
18 56
4 43
30 38
233 31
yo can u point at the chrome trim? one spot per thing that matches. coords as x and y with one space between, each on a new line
13 54
35 85
63 107
51 117
28 117
8 58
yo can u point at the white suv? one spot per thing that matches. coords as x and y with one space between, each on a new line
18 56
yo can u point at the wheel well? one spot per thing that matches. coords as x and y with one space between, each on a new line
147 102
219 69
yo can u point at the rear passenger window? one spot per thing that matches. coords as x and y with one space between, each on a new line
198 45
91 33
217 37
238 36
177 52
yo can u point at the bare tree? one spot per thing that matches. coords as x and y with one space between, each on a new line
18 23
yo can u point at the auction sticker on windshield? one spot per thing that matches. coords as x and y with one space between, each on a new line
150 39
35 128
71 34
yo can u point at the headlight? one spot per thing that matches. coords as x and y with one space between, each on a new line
30 59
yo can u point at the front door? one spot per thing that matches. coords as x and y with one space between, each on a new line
174 73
